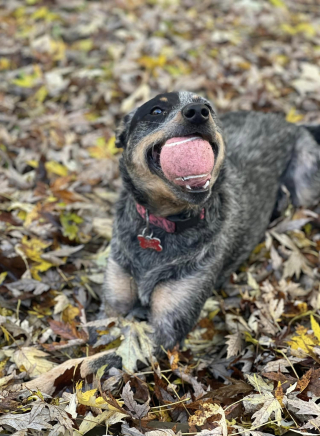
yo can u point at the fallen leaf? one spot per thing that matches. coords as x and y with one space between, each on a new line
137 411
33 361
234 343
136 345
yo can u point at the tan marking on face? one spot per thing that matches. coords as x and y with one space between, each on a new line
121 290
178 118
169 296
163 99
195 96
220 159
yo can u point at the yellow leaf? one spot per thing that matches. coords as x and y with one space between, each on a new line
33 248
19 12
103 149
33 215
306 28
278 4
245 65
26 81
302 341
5 312
69 313
44 14
303 307
315 327
4 64
41 94
58 49
6 333
83 45
22 214
32 360
2 366
33 163
151 63
293 117
56 168
69 223
3 277
88 399
282 59
287 28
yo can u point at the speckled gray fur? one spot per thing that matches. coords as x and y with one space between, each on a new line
263 152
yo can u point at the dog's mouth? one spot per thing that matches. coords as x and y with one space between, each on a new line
186 161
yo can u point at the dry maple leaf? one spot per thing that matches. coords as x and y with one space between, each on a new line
183 373
27 421
306 408
136 410
269 407
32 360
207 410
136 345
234 343
248 432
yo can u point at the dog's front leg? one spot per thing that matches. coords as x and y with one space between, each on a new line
119 291
175 308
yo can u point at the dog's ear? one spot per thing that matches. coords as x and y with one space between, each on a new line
122 131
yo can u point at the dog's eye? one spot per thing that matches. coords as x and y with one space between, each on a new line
157 111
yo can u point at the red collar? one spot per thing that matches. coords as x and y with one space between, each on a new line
176 224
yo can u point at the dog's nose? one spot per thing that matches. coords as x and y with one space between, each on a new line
196 113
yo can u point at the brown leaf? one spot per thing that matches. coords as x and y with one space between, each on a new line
278 376
137 411
67 331
314 385
140 388
278 393
183 373
304 381
225 392
173 358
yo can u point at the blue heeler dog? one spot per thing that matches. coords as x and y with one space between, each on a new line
198 195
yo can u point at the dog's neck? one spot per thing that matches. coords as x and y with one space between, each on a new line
174 223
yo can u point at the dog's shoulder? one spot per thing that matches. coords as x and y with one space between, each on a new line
253 139
256 125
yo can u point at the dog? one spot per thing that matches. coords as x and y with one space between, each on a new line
198 195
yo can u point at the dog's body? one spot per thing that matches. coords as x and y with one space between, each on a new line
255 155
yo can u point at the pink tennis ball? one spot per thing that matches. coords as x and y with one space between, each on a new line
187 160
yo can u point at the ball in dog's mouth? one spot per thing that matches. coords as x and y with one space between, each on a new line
188 162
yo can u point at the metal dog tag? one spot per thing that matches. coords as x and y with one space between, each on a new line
149 242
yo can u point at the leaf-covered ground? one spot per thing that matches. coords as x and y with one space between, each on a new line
68 71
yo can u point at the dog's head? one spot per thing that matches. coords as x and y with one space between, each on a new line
173 151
